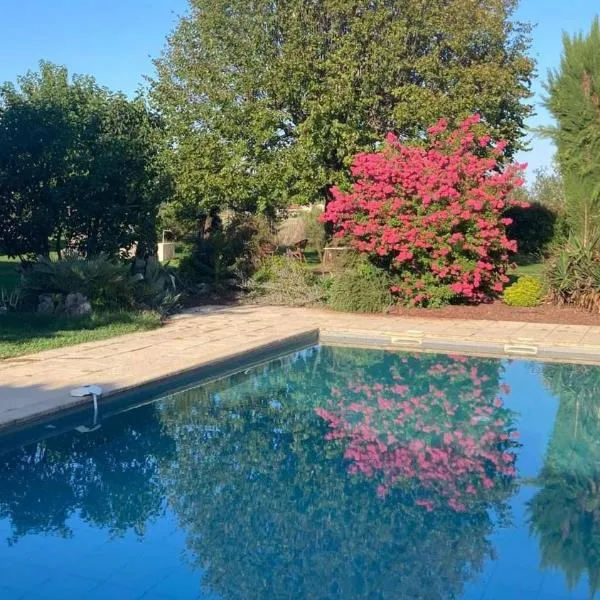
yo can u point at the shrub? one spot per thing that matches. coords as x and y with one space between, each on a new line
361 288
572 275
533 227
433 214
107 284
286 281
157 288
10 300
230 254
527 291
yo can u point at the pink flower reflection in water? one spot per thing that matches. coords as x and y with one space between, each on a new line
448 441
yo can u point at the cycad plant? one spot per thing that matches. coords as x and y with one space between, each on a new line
107 284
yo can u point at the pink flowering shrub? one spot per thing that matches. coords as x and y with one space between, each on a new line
432 214
440 434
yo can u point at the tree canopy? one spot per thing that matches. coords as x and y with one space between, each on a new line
266 103
78 166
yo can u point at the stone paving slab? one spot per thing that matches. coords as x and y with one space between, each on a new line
39 384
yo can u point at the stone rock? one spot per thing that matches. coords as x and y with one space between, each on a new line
77 305
46 304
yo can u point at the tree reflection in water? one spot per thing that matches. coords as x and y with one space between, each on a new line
334 473
109 478
565 513
275 478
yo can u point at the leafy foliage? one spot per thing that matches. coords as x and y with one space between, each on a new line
360 288
572 274
106 283
157 290
316 234
548 189
574 102
231 253
282 280
10 300
534 227
78 167
266 103
432 214
527 291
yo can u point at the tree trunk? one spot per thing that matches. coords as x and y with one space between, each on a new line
58 245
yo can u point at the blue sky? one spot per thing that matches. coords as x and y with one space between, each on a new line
114 40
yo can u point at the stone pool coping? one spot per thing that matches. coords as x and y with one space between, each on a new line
213 341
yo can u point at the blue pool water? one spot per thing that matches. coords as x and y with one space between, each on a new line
333 473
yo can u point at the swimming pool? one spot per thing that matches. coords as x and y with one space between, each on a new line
328 473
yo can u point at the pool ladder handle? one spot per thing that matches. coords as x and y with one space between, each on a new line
95 391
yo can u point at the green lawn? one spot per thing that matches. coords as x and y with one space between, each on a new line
9 276
529 266
534 269
24 333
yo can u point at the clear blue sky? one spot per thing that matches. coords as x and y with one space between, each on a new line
114 40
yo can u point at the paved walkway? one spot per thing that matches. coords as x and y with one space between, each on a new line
39 384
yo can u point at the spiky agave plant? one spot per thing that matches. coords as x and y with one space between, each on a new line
573 274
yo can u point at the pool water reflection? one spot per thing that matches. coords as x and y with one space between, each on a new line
331 473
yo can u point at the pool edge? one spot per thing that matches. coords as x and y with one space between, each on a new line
171 382
516 350
411 341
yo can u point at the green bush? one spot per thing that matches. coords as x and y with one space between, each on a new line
533 228
572 274
156 288
282 280
361 288
10 300
316 234
231 254
106 284
527 291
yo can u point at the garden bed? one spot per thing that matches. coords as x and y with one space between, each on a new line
497 311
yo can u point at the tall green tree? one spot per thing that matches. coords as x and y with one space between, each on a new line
79 166
266 102
574 101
